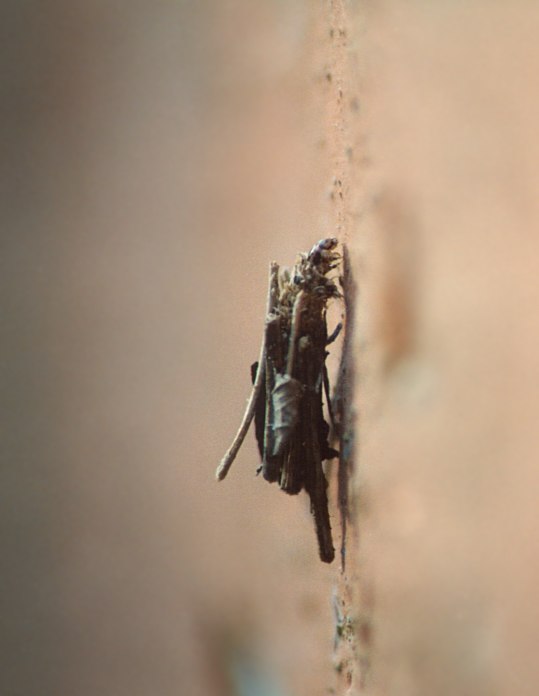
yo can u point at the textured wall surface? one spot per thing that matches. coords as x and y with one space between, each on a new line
448 391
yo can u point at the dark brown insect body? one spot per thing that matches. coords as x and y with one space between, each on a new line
289 379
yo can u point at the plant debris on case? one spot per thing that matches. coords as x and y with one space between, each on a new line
288 383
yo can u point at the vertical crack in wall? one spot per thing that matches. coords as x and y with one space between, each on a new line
352 597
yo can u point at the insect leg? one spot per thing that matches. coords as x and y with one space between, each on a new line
334 335
325 378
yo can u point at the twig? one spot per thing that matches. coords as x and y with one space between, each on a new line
230 455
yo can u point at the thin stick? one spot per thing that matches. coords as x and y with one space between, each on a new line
294 332
230 455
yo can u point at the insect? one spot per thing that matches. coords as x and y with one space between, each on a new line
289 379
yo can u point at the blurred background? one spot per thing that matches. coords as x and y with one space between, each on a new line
156 157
